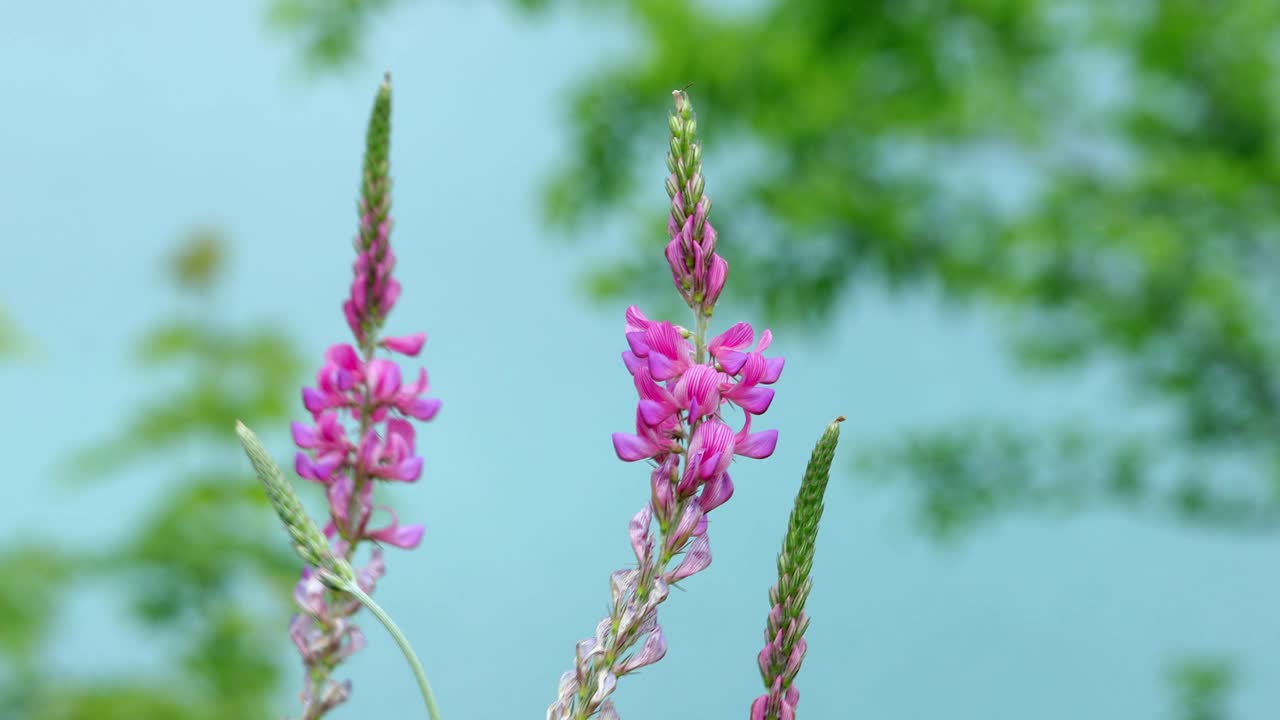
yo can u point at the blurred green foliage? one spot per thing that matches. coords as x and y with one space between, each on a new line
1130 152
1202 687
332 31
12 341
198 564
1102 175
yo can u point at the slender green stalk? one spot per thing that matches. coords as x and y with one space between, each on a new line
419 674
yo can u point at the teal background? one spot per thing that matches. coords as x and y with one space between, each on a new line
124 126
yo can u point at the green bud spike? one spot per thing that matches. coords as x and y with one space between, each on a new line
787 624
308 541
377 159
796 559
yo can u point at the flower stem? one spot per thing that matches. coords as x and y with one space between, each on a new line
419 674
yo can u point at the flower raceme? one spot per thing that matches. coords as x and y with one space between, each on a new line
684 382
359 390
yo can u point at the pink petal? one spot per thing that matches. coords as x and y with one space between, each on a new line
759 706
304 435
766 339
716 492
340 498
757 445
636 320
634 364
655 647
314 400
638 529
306 469
696 559
390 297
408 470
384 378
636 341
633 447
418 386
662 367
654 412
344 356
773 369
731 360
421 408
409 345
353 320
369 449
400 431
401 536
755 400
736 337
716 277
369 575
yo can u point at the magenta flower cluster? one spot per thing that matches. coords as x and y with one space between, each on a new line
372 393
679 412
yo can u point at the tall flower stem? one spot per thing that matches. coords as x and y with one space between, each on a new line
684 379
428 698
358 387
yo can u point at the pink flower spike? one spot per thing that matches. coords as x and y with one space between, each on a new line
409 345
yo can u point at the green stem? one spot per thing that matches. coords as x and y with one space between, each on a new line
419 674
